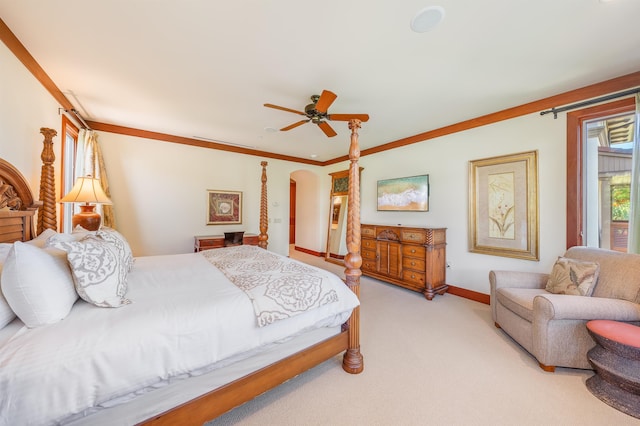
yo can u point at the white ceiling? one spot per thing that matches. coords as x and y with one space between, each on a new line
205 68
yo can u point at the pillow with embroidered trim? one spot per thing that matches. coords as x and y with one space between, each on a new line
99 274
571 276
37 284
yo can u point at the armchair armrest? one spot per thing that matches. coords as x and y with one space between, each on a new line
517 279
568 307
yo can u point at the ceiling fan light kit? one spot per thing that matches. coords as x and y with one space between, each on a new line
317 113
427 19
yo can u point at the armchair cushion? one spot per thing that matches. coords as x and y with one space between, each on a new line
574 277
519 300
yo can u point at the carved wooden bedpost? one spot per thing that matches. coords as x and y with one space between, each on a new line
47 213
264 220
352 361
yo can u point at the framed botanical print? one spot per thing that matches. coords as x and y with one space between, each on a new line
503 206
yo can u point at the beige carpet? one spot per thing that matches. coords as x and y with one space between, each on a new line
439 362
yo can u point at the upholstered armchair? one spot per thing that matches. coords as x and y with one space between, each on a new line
600 284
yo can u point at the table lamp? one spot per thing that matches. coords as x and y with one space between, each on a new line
87 190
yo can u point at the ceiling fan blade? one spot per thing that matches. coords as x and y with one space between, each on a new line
347 117
325 101
284 109
294 125
326 128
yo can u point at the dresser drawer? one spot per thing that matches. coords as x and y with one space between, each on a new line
368 255
413 263
413 277
413 251
413 236
366 243
209 242
369 265
368 231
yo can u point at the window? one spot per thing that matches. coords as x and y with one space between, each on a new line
620 202
69 149
598 170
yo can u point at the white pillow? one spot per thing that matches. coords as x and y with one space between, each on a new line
99 275
41 239
6 313
38 285
117 239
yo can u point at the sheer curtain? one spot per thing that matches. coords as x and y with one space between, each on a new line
634 213
89 161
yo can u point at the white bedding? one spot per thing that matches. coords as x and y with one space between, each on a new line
185 317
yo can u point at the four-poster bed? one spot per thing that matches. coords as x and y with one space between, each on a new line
211 391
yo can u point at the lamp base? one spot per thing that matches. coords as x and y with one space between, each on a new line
87 218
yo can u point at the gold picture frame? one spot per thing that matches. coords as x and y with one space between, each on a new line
503 206
224 207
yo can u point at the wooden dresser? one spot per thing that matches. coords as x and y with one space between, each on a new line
414 258
206 242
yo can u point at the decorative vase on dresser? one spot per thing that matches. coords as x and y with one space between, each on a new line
410 257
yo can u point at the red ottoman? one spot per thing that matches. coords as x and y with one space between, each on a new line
616 360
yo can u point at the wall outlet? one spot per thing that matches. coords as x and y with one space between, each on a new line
277 220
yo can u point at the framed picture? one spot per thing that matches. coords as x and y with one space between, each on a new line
503 206
224 207
404 194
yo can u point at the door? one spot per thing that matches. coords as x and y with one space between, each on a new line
292 211
585 188
599 157
389 258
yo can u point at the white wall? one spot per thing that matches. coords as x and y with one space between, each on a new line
25 107
311 220
159 192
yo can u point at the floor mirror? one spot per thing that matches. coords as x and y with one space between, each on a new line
337 229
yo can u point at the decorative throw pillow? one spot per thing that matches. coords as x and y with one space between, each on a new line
114 237
570 276
99 275
6 313
37 284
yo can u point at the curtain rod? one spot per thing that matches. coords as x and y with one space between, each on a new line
78 116
555 111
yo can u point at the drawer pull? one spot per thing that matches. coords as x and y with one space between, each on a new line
413 276
413 263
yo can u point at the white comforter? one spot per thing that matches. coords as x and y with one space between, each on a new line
185 317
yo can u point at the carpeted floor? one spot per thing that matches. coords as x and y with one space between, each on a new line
439 362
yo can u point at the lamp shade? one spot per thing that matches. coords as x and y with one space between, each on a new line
86 190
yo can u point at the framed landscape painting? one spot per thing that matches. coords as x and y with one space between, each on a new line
224 207
404 194
503 206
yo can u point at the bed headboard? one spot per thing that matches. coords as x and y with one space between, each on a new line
17 206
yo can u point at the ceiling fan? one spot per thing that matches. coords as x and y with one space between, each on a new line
316 112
